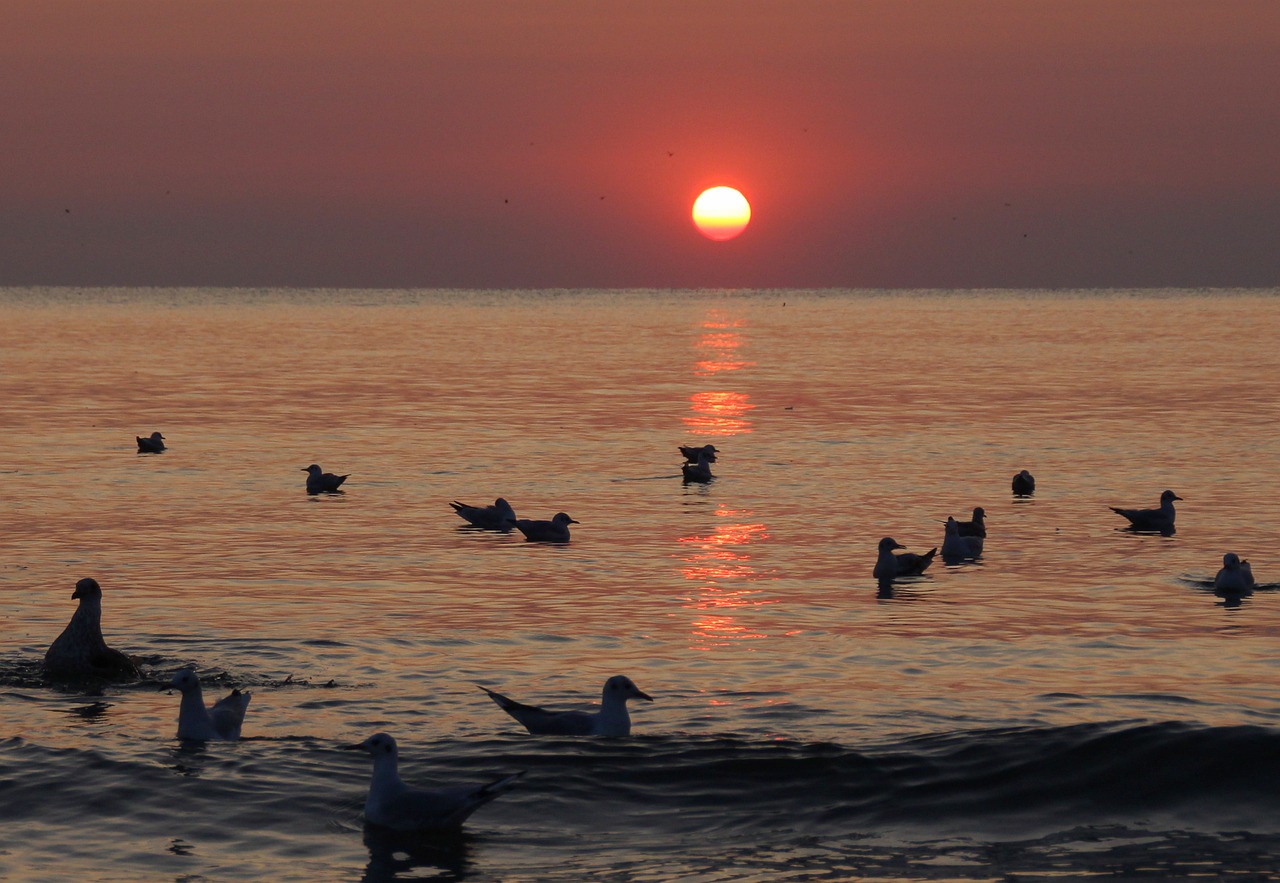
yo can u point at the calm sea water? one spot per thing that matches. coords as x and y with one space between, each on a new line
1076 703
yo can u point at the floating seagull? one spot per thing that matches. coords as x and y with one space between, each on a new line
957 546
554 531
221 722
1152 519
80 651
611 720
499 516
889 565
1024 484
975 528
152 445
1235 577
691 452
701 470
320 482
393 804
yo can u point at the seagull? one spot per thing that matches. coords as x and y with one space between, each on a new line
701 470
975 528
691 452
152 445
499 516
1235 577
957 546
1152 519
393 804
611 720
1024 484
889 565
80 651
220 722
320 482
554 531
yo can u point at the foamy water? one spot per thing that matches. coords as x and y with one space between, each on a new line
1077 700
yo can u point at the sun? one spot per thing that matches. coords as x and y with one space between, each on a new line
721 213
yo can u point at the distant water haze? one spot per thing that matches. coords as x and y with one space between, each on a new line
793 697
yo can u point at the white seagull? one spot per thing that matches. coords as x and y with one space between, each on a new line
1160 519
554 531
393 804
321 482
151 445
956 546
219 723
499 516
889 565
611 720
81 651
1235 577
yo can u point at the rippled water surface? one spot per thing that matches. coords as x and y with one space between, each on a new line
1077 702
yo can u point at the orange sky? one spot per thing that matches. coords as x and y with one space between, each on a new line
560 143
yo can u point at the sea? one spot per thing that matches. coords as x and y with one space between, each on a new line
1076 703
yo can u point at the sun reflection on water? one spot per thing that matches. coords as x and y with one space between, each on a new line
719 562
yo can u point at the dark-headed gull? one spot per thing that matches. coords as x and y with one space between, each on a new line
691 452
956 546
1024 484
554 531
321 482
975 528
699 470
889 565
1152 519
1235 577
393 804
154 444
499 516
219 722
80 651
611 720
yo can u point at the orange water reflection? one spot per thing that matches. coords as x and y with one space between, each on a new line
720 563
720 412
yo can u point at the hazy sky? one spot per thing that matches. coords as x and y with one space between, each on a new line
561 143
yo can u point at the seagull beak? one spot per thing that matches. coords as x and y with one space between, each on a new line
353 747
643 695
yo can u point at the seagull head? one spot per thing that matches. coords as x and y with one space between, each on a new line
313 469
377 745
563 518
888 544
1169 497
1231 561
87 588
184 680
623 687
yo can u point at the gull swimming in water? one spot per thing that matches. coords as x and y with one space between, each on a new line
691 452
975 528
1152 519
889 565
151 445
611 720
1024 484
499 516
701 469
956 546
393 804
1235 577
554 531
80 651
320 482
220 722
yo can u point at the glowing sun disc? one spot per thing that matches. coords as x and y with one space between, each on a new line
721 213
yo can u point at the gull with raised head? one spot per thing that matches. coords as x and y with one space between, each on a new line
554 531
1159 519
700 470
975 528
889 565
321 482
221 722
393 804
499 516
611 720
153 444
81 651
